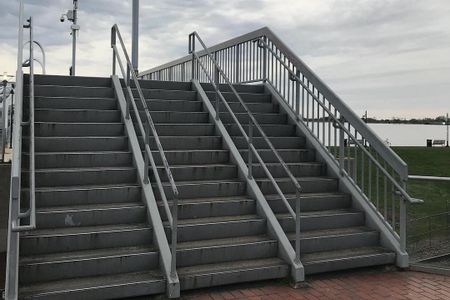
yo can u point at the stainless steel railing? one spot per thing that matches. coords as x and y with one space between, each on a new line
16 216
197 63
375 170
145 129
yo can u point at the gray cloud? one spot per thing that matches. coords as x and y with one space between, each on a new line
387 56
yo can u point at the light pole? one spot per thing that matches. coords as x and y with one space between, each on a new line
71 15
135 36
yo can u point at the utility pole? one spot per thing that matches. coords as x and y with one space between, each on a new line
135 36
71 15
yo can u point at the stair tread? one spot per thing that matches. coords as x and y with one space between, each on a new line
211 199
84 169
304 195
186 182
324 256
309 178
71 97
224 242
89 207
85 254
331 232
86 187
53 287
77 109
78 123
321 213
230 266
62 231
220 219
173 166
83 152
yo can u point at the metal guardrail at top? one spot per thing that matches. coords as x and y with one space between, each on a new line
145 131
15 215
376 171
219 73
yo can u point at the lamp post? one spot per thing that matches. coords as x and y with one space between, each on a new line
71 15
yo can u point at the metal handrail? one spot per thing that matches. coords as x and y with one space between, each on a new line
172 216
248 138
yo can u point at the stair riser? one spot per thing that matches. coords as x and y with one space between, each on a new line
54 244
73 160
52 129
312 203
196 232
349 263
277 142
167 94
187 143
95 177
220 189
226 118
73 91
92 218
309 186
75 103
199 173
171 105
270 130
323 222
230 277
212 209
93 267
167 85
338 242
236 107
242 88
91 116
178 117
258 98
289 156
87 196
297 171
185 130
193 157
50 144
72 81
225 253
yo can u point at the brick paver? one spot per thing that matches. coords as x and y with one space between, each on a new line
364 284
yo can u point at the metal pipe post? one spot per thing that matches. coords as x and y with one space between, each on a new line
113 43
297 226
135 36
250 151
173 267
341 148
2 126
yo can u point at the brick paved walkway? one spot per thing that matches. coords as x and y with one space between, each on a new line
365 285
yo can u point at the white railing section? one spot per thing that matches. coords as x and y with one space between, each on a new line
16 215
372 167
146 129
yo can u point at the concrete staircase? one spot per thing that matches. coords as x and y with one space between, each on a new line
334 235
221 239
92 239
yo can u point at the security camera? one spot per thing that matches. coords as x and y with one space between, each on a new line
62 19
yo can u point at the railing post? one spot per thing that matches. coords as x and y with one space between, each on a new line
173 266
146 142
192 51
113 43
127 84
341 147
403 218
297 94
216 82
250 153
264 58
297 226
236 59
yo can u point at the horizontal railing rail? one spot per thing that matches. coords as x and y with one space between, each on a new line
375 170
198 62
145 131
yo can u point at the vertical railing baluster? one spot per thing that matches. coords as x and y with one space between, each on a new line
297 226
341 146
146 142
113 43
250 151
297 94
127 83
237 62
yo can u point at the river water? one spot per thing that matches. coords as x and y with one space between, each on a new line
409 134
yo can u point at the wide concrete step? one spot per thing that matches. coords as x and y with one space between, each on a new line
116 286
240 88
177 117
84 195
82 159
196 156
204 188
276 130
308 184
77 115
288 155
336 239
166 94
71 144
246 97
219 227
67 239
60 266
326 219
308 169
261 118
165 85
91 215
183 129
211 207
310 201
44 129
84 176
74 103
186 142
62 80
328 261
52 90
225 250
232 272
199 172
282 142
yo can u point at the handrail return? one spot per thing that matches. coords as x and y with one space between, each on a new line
145 131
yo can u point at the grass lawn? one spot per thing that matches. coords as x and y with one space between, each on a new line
426 161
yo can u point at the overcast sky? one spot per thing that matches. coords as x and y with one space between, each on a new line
390 57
